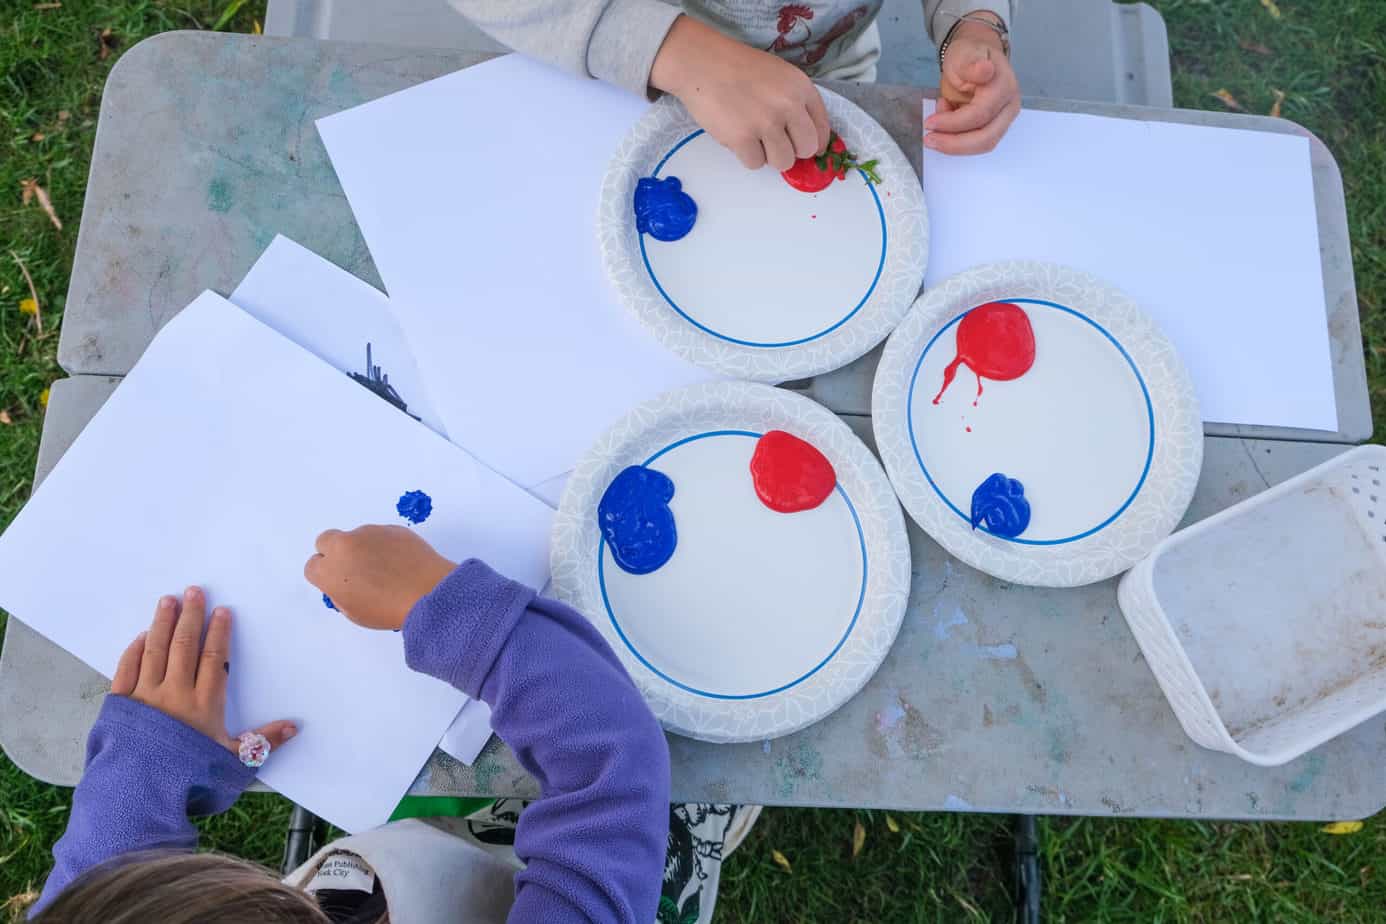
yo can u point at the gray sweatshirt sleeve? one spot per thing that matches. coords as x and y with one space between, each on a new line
939 15
611 40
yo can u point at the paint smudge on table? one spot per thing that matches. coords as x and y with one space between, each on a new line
900 731
947 622
1313 766
485 771
1003 652
219 195
801 765
956 804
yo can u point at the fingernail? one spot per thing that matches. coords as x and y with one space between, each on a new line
929 123
192 593
166 602
929 142
142 636
221 612
289 732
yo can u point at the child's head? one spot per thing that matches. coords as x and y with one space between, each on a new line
181 888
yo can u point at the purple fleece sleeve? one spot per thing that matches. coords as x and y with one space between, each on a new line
146 773
594 843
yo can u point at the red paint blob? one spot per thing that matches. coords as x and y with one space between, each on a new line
996 341
790 474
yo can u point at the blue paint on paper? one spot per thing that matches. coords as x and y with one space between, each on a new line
662 209
636 521
415 506
327 602
999 502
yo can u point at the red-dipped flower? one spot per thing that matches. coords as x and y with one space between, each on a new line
814 174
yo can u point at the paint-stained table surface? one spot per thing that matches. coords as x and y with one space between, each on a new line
994 697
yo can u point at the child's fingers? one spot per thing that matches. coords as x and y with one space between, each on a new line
187 638
751 154
312 570
127 672
156 643
779 150
819 114
975 142
326 539
981 111
804 134
212 667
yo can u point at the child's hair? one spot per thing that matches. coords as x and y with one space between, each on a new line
180 888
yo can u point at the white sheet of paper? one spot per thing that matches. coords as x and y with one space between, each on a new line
1211 230
217 461
336 317
477 194
469 732
348 324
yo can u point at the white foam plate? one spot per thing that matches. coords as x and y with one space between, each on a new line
1103 430
771 283
761 623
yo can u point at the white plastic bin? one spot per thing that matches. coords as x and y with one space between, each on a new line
1265 624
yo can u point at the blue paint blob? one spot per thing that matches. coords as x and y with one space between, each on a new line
1000 503
636 521
662 209
415 506
327 602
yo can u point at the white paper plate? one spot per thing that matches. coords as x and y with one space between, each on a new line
1103 431
771 284
761 623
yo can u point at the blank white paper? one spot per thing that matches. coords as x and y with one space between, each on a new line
1212 231
348 324
477 194
338 318
217 461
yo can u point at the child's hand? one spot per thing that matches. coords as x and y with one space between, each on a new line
763 108
172 669
980 95
375 574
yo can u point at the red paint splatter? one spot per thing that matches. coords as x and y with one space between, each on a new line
996 341
813 216
969 429
790 474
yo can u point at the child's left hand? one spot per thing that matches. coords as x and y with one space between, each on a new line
172 669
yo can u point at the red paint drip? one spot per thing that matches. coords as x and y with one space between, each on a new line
995 341
790 474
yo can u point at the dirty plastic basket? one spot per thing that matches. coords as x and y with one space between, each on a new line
1265 624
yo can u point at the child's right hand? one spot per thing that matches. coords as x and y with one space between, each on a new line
375 574
172 669
763 108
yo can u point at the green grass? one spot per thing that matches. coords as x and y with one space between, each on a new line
1329 58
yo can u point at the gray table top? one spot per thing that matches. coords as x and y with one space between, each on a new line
206 149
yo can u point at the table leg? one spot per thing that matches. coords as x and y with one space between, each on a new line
1027 871
307 832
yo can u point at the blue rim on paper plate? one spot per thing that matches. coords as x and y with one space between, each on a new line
880 265
1145 392
615 623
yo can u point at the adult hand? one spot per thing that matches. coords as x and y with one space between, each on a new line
375 574
980 96
763 108
172 669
